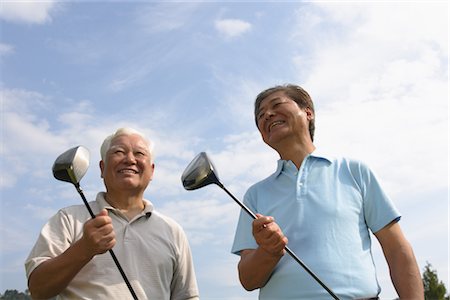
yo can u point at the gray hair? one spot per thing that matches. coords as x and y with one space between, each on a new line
106 145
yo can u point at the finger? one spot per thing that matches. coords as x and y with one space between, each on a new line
278 241
103 212
263 221
101 221
105 229
109 244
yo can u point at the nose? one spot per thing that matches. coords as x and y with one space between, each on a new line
266 116
129 157
269 114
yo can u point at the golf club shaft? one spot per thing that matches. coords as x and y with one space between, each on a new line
289 251
113 255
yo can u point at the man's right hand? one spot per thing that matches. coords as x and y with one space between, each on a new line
98 234
98 237
268 235
256 265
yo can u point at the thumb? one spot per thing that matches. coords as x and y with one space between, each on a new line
259 216
103 212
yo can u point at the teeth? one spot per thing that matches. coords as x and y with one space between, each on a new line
128 171
274 124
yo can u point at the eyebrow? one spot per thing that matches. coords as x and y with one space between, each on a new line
270 101
138 147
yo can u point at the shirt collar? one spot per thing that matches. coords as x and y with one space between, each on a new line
284 164
323 155
103 204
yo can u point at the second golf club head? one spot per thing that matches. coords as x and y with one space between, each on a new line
199 173
71 165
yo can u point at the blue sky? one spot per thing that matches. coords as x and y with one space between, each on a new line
186 74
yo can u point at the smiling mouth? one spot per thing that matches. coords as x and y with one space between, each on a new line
128 171
276 123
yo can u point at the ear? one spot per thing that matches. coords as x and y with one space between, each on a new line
102 167
153 171
309 113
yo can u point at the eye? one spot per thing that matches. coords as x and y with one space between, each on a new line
277 103
116 151
140 153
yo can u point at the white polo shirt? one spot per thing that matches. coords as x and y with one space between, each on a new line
152 249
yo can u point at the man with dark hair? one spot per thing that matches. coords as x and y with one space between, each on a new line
326 206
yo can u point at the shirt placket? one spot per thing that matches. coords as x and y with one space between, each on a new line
301 179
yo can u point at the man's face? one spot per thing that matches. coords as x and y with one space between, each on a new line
128 164
279 118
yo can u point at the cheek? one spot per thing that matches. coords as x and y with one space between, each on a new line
260 124
147 166
108 169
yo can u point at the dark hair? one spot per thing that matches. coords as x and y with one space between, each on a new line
294 92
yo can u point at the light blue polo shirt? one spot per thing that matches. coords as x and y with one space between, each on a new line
325 209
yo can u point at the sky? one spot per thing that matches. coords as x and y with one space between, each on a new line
186 74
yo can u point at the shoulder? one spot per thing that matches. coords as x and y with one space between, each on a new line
336 159
69 218
71 211
166 221
261 185
343 162
79 211
169 228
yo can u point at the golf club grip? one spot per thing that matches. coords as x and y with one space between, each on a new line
113 255
289 251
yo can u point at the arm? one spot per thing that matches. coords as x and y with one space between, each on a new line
402 263
256 265
184 282
98 237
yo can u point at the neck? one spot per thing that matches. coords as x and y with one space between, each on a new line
128 206
125 201
296 152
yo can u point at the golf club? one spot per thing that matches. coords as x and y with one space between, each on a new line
71 166
201 172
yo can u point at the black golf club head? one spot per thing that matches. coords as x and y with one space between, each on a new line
199 173
71 165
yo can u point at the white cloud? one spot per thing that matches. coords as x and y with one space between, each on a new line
29 140
381 90
25 146
29 12
200 217
392 135
6 49
238 99
163 17
232 28
221 273
41 212
365 40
